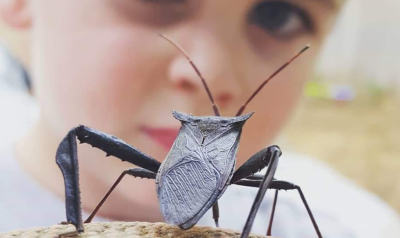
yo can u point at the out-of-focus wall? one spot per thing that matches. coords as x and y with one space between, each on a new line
365 45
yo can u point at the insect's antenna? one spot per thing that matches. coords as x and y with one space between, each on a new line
215 108
268 79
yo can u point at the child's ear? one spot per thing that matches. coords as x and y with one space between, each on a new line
16 13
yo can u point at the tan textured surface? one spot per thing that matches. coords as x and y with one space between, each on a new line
360 139
126 229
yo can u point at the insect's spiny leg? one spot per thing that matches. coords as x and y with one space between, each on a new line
269 78
215 107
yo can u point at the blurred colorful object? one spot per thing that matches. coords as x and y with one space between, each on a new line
315 89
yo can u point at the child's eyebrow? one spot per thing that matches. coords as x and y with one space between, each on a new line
332 4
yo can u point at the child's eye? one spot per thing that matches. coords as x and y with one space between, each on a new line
281 19
164 1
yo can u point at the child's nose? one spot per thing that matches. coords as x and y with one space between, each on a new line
214 65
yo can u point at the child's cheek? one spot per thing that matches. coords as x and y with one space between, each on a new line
274 106
94 78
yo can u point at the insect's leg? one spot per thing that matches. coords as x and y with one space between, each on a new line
136 172
257 162
215 211
309 211
265 183
67 160
254 181
116 147
271 220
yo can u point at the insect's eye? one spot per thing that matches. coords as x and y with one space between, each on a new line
281 19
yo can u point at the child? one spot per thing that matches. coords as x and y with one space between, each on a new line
101 64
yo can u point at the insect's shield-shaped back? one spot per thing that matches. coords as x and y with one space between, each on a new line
198 166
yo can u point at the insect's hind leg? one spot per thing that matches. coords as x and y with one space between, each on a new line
255 181
67 160
136 172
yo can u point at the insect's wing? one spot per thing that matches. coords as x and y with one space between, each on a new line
220 149
186 183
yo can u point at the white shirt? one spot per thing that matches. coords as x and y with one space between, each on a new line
341 209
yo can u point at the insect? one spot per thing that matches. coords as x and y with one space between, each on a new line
195 173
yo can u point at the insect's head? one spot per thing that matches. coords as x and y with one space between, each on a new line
205 129
209 121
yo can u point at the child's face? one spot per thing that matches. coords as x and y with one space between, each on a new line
102 64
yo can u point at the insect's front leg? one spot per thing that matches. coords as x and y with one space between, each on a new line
256 163
67 160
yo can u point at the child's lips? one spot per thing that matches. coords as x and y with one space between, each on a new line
163 136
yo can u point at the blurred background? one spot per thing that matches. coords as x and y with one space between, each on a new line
349 116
